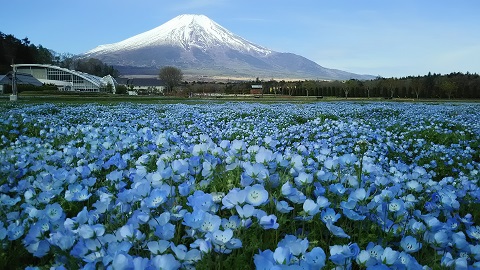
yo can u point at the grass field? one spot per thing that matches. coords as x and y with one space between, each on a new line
34 97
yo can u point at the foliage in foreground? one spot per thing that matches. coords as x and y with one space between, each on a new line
213 186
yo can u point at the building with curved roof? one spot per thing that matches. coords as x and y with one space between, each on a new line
66 79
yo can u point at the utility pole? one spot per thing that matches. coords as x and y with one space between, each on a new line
14 95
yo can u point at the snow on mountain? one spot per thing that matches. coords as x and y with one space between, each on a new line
186 31
198 45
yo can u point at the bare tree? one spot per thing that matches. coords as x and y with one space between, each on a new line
172 76
392 86
448 87
309 86
349 86
417 85
369 85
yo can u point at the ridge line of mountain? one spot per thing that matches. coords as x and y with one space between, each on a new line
200 46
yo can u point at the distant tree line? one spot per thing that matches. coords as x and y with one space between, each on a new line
22 51
454 85
89 65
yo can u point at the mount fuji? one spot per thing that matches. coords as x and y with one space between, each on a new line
199 46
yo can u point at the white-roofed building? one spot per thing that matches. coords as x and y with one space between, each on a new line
68 80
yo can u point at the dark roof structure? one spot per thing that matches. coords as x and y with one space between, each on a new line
21 79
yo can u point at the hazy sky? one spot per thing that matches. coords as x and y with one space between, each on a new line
390 38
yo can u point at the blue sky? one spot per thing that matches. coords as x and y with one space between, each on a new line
390 38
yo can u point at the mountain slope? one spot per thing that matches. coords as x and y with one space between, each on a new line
200 46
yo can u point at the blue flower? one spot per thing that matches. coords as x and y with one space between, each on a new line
122 261
264 156
165 262
79 250
54 211
396 205
179 170
364 259
407 260
331 163
63 240
389 256
460 242
440 239
282 255
288 189
207 169
410 244
303 179
269 222
205 246
210 223
283 207
474 232
246 211
39 249
84 171
256 172
352 214
165 232
359 194
342 255
158 247
200 200
310 207
256 195
432 223
316 258
222 237
293 194
234 197
298 247
459 263
338 188
467 219
234 243
223 241
184 255
37 232
195 219
14 231
264 260
86 231
233 222
375 251
379 267
337 231
322 202
117 161
319 189
329 216
185 188
131 233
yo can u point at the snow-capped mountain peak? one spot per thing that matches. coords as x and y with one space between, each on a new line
201 47
186 31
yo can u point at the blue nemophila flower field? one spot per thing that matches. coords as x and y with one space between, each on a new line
239 185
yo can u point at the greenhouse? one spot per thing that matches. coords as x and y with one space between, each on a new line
66 79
